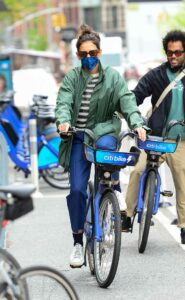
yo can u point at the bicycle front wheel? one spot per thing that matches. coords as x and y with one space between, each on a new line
107 251
11 267
145 222
46 283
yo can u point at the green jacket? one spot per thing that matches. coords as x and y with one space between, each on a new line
110 94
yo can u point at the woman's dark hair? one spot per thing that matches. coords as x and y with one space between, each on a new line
86 33
2 77
174 36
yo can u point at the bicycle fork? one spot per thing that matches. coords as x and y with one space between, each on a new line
140 200
5 278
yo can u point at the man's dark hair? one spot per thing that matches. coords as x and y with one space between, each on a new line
174 36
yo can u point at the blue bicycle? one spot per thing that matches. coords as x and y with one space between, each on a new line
16 132
103 222
149 185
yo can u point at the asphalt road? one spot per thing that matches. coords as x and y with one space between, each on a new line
44 237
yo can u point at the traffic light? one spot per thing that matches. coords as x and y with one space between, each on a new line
58 20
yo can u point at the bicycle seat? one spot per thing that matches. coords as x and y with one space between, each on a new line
18 190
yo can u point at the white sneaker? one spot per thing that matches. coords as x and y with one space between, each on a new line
77 257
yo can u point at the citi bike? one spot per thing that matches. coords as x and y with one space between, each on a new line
150 181
103 222
31 283
16 132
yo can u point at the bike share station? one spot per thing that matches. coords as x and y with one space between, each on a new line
6 72
30 144
33 142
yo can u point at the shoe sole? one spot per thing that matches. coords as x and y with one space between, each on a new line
76 267
126 230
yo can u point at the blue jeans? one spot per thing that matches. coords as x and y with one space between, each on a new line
79 175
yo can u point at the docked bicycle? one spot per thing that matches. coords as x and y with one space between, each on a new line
16 132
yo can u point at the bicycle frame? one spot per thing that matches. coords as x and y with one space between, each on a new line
109 161
96 205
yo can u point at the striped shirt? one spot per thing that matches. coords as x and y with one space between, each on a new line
84 108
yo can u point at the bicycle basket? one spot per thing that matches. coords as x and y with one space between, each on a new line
19 208
104 157
157 146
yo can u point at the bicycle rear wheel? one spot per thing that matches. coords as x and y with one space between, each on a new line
11 267
55 177
146 215
107 251
46 283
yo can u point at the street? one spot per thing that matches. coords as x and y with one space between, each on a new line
44 237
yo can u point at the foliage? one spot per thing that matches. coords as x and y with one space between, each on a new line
170 22
36 41
18 9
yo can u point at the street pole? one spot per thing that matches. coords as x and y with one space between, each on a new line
33 156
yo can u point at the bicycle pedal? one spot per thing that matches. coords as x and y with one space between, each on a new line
167 193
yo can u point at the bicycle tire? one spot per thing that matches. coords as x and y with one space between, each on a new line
55 177
89 243
146 215
12 268
40 288
110 220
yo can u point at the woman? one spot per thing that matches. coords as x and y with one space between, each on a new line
88 97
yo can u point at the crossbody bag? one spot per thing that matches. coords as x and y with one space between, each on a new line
169 87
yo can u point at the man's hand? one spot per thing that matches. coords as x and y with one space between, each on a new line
141 133
63 128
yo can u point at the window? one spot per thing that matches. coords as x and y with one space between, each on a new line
92 16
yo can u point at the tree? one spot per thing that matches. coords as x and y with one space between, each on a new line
170 22
35 34
18 9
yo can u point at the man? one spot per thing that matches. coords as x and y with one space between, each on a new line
172 107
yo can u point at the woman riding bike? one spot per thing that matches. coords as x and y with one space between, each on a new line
88 97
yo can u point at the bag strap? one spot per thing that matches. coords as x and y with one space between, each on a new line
168 89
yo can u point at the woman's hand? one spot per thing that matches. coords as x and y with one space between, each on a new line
141 133
63 128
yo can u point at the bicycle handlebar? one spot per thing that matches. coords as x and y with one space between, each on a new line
91 135
173 123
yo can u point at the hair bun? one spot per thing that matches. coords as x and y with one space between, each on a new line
86 33
85 29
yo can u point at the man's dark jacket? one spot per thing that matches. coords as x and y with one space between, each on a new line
153 84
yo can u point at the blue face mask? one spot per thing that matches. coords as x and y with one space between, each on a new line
90 62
